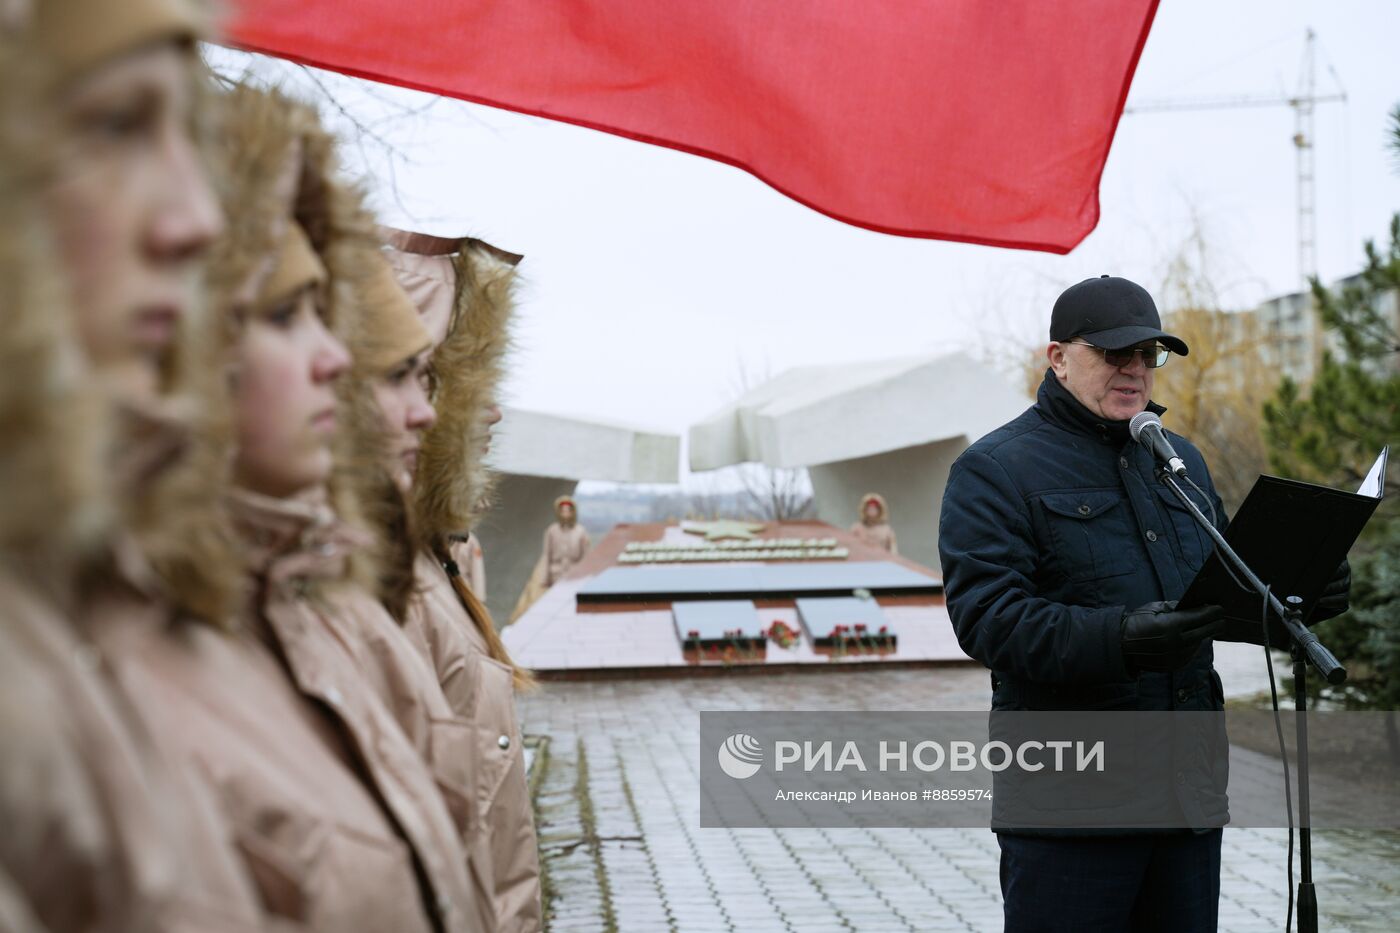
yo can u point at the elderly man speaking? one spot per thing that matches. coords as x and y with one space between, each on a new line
1062 560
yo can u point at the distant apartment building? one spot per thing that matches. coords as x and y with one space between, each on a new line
1292 337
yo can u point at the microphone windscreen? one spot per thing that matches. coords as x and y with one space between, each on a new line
1141 420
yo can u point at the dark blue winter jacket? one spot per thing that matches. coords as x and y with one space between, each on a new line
1052 526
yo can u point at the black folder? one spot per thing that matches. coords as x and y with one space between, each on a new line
1293 535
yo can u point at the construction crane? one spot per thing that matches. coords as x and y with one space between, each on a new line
1302 103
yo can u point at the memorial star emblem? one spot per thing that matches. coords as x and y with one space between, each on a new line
723 528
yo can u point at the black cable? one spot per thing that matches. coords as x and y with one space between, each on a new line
1283 755
1230 570
1204 498
1273 693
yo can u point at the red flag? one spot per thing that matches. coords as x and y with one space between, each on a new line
974 120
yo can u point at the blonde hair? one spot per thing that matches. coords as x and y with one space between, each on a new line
523 678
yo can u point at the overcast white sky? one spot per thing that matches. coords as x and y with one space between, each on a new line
650 273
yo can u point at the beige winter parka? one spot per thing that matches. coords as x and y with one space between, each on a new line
302 822
470 558
877 532
464 288
299 552
565 543
16 916
383 331
335 814
127 621
102 830
501 838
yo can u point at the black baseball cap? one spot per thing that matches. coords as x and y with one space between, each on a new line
1112 313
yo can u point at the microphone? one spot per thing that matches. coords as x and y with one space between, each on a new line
1146 429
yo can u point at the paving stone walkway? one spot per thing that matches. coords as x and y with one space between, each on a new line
618 804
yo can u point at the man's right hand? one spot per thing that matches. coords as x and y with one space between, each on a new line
1160 637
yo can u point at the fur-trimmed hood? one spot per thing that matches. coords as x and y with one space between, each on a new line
362 457
54 503
879 500
195 549
259 135
278 166
76 35
466 290
78 468
334 215
559 504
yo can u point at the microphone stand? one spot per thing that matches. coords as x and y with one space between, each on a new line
1305 648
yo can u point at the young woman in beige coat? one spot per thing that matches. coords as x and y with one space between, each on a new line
387 385
463 288
874 528
102 830
564 544
334 812
390 411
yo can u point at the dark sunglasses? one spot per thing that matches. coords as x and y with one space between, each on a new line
1152 357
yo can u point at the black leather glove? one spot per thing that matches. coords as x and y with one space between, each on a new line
1159 637
1335 598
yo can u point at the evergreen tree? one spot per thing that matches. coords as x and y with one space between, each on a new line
1330 434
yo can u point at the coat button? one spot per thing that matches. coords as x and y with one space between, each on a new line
503 741
1151 535
1084 510
1123 462
1181 695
